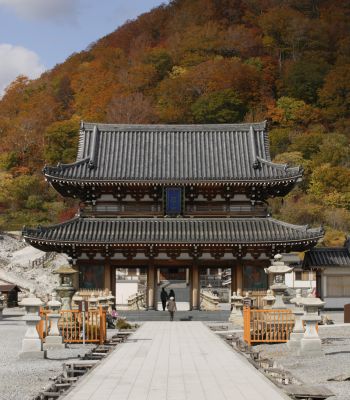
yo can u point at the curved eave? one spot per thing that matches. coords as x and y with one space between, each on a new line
308 237
173 182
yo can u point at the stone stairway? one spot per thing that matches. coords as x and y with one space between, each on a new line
151 315
182 293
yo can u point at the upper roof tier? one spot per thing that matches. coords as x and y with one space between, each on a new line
173 154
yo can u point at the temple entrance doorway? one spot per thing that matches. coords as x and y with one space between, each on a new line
215 288
174 280
130 288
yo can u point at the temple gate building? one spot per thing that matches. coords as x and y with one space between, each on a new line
172 201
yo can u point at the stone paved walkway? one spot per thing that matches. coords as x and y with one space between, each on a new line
175 360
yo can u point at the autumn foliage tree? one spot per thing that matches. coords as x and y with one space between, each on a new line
196 61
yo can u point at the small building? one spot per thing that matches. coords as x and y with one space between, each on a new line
332 268
10 291
298 278
173 202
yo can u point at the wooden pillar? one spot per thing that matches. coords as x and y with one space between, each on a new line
150 287
75 277
319 291
233 281
187 275
239 276
195 287
108 283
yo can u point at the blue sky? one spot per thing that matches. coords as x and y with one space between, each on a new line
37 34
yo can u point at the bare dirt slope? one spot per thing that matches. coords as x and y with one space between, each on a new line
16 266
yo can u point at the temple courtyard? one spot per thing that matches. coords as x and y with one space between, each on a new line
179 360
175 360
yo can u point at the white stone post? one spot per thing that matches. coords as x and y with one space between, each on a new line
298 330
2 304
54 340
237 305
310 344
31 344
233 310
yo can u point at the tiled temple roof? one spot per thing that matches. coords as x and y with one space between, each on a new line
327 257
171 231
173 154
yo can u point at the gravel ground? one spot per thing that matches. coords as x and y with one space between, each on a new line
22 380
336 346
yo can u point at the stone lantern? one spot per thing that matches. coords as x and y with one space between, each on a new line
310 343
298 330
102 301
31 344
278 270
269 300
76 300
110 299
236 315
66 289
2 304
93 302
54 340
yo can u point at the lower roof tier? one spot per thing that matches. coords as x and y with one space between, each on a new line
327 257
169 232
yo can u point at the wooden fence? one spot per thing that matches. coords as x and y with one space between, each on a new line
71 325
267 326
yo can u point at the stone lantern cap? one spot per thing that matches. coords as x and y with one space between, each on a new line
77 297
31 301
101 297
269 296
92 299
278 266
54 304
65 270
110 296
297 299
312 302
236 297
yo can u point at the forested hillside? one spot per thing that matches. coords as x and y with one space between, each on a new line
196 61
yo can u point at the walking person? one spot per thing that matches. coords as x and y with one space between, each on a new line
163 297
171 294
172 308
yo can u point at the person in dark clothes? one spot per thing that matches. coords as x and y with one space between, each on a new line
163 298
171 294
171 308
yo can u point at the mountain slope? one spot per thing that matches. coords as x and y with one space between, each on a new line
196 61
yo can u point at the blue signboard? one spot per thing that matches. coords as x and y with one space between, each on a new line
173 201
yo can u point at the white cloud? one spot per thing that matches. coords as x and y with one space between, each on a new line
17 60
59 10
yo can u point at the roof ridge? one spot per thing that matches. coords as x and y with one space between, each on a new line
245 126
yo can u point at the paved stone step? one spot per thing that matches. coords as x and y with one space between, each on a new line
151 315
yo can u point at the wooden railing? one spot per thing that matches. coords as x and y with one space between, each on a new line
267 326
41 261
71 325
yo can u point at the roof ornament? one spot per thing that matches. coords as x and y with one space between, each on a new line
94 147
256 163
